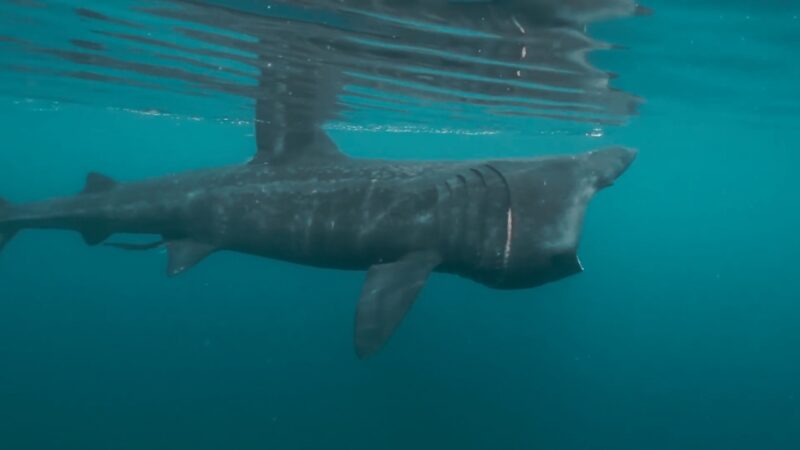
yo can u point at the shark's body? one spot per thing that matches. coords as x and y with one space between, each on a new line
504 223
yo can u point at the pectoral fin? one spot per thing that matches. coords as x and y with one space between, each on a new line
184 254
388 293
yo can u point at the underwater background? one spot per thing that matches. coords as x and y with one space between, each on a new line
682 333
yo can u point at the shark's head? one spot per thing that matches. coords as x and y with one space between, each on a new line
548 202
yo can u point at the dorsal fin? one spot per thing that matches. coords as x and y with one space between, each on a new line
288 126
97 182
280 146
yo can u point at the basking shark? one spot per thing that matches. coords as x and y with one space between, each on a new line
505 223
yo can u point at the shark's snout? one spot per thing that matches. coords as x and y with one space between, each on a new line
608 164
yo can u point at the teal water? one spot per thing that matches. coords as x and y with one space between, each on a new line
682 333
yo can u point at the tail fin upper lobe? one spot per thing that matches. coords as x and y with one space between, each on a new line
7 231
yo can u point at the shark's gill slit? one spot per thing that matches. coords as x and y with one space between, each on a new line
509 235
480 175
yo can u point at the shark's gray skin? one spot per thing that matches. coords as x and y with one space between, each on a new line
505 223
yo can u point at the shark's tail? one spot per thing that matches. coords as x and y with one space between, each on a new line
7 229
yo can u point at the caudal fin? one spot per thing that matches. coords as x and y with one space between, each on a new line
7 231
